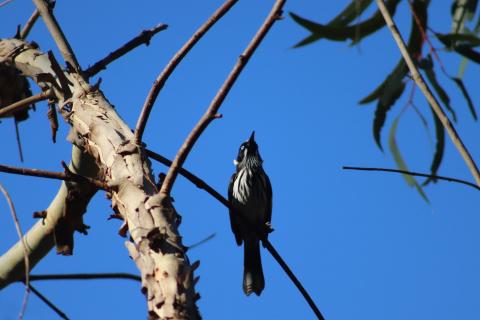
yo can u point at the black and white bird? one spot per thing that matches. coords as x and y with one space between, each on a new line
250 196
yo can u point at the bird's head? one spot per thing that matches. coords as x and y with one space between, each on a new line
248 153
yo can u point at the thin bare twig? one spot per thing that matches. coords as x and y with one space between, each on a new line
412 173
25 249
57 34
143 38
212 110
203 185
199 183
268 245
457 141
85 276
172 64
199 243
5 3
67 176
50 304
9 111
29 24
19 141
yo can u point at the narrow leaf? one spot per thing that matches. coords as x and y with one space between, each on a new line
464 38
338 32
307 24
415 42
427 66
377 93
439 148
352 11
464 50
394 88
468 52
461 85
397 156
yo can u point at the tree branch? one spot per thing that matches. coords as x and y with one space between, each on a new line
172 64
85 276
418 174
9 111
25 250
97 130
5 2
462 149
29 24
63 213
143 38
199 183
66 176
203 185
212 110
50 304
57 34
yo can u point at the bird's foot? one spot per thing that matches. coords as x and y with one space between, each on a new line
268 227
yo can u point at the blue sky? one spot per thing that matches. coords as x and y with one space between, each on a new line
365 245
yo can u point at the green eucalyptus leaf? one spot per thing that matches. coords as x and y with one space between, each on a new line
427 66
393 89
398 158
439 148
351 12
466 39
464 50
338 31
415 42
466 95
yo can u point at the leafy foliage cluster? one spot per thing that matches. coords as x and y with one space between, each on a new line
460 40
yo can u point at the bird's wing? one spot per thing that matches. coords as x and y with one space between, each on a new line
268 190
233 220
268 209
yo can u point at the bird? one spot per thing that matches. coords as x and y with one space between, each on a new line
250 198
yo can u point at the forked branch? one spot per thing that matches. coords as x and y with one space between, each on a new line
143 38
211 113
172 64
57 34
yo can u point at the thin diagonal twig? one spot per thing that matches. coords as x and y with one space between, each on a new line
199 183
412 173
67 176
143 38
19 141
57 34
25 249
29 24
5 2
50 304
9 110
172 64
85 276
457 141
199 243
212 110
203 185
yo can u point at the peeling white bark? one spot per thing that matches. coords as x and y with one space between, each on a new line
152 221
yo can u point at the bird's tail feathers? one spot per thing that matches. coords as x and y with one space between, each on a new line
253 280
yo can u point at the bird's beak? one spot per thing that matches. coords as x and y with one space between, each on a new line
252 137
